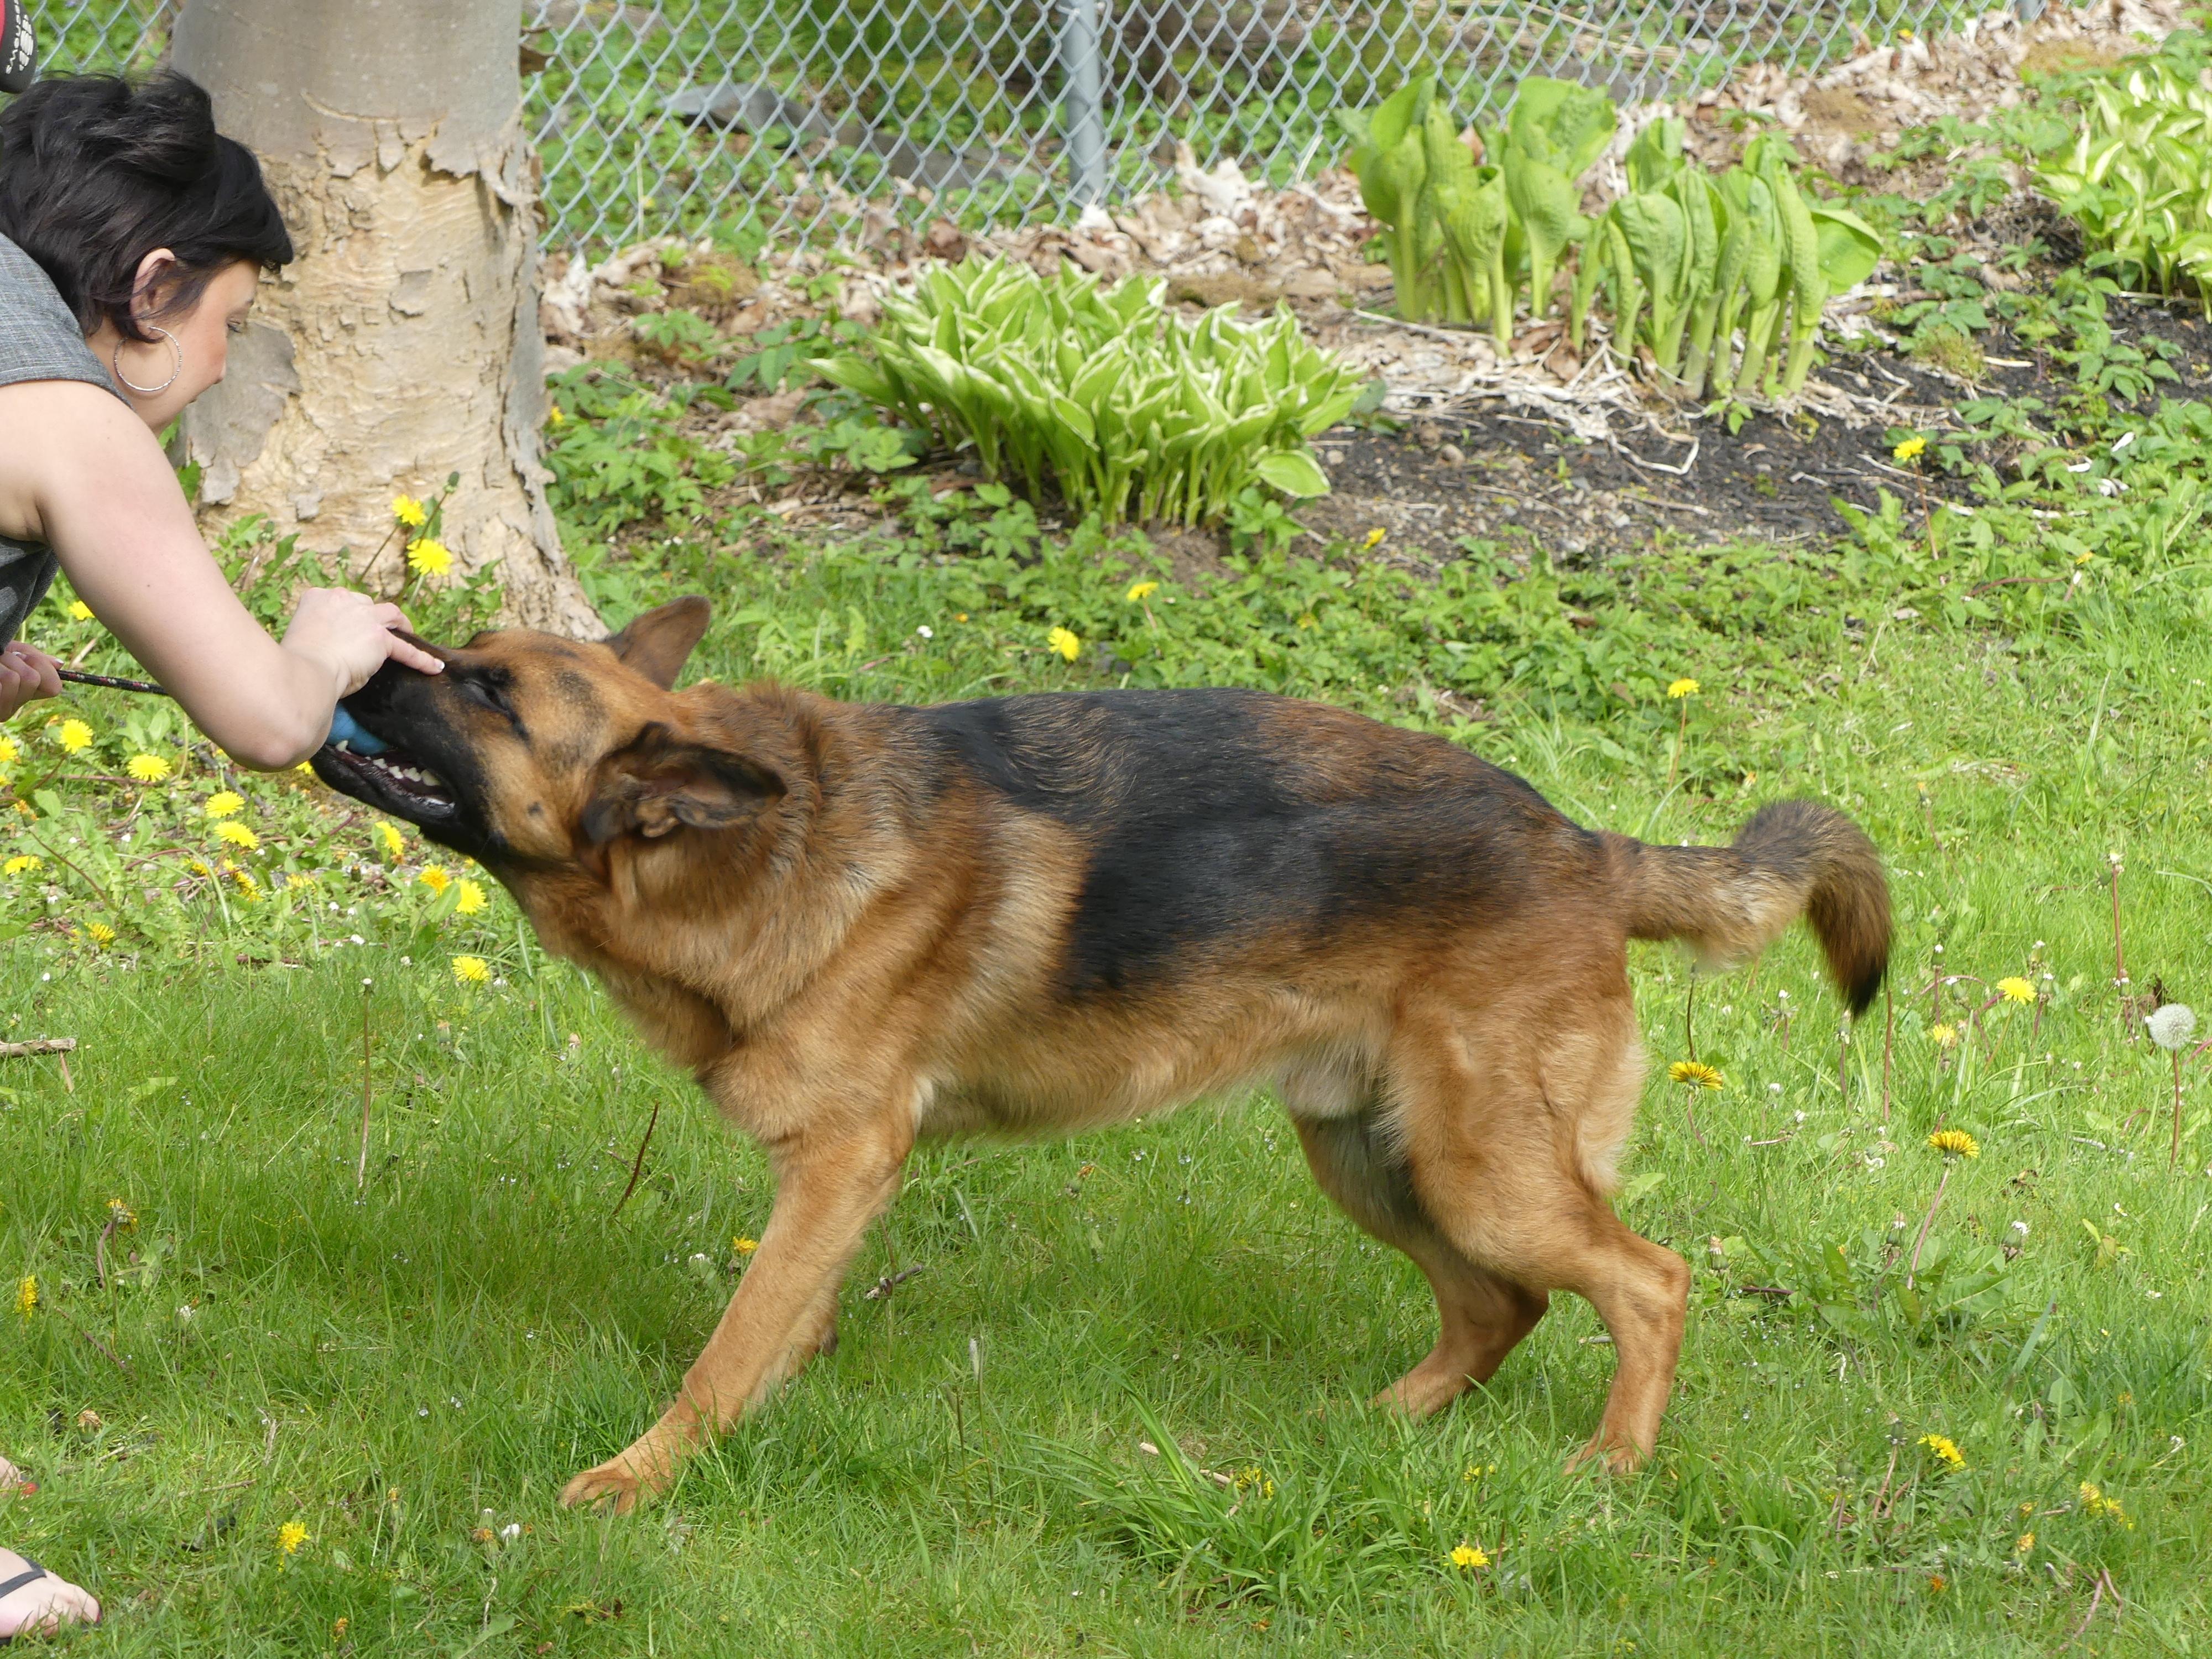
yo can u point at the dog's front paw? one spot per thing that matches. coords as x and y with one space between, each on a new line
1611 1457
619 1482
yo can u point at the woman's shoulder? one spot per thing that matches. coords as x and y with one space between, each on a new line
39 339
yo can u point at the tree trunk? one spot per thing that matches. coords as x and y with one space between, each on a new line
401 345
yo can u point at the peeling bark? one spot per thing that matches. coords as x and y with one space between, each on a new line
401 345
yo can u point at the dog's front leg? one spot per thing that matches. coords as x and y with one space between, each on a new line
828 1188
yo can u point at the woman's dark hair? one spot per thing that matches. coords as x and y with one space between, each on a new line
96 173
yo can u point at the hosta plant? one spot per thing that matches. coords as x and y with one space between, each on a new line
1463 238
1687 258
1684 261
2137 180
1127 410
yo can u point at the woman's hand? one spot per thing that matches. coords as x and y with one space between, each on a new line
81 472
350 634
25 675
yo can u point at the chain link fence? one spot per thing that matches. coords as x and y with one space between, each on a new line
806 121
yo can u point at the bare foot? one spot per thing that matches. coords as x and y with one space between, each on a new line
41 1606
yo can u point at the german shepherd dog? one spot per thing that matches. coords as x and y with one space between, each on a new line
858 925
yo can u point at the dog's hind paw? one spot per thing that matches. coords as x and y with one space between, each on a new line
614 1483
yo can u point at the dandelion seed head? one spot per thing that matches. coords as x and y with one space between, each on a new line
2172 1026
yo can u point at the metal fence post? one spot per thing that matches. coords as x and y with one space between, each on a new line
2027 10
1083 108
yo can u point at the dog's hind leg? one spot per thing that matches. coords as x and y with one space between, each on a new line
1511 1126
828 1189
1481 1315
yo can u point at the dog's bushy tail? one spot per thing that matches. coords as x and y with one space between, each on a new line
1795 858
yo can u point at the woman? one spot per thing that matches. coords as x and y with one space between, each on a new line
132 236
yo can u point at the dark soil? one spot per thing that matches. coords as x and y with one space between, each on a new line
1508 478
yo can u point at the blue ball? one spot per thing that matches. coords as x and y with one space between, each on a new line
346 729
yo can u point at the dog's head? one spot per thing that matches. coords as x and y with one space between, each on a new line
532 751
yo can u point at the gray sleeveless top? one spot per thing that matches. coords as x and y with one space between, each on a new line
39 340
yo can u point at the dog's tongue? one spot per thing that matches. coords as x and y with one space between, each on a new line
346 729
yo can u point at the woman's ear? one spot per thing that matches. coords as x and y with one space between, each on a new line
154 274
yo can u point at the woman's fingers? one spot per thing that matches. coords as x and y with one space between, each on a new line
25 675
405 652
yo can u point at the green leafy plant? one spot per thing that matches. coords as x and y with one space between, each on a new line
1101 393
1683 260
2137 180
1462 238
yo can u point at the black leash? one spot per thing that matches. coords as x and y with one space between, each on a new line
78 676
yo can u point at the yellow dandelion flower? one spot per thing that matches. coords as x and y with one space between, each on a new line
79 610
1909 448
1697 1074
408 512
745 1246
2024 1543
471 970
237 835
74 737
1140 592
295 882
148 769
122 1216
1946 1450
394 844
1943 1037
2095 1504
1468 1558
22 864
1955 1143
429 557
199 867
2013 988
553 416
100 933
1064 642
223 804
9 753
26 1296
472 899
290 1536
1682 688
435 876
248 889
1374 537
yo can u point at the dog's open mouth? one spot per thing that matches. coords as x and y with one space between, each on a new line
397 778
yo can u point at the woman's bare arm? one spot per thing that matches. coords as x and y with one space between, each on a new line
81 473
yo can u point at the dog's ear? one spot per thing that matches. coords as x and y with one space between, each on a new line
657 643
661 783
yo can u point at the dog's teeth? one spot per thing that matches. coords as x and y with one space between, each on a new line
346 743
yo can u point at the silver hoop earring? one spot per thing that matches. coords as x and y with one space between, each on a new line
115 362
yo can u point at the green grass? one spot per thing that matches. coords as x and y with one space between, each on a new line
385 1367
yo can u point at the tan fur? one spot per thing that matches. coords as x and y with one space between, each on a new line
851 945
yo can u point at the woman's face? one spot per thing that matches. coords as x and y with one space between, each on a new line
203 333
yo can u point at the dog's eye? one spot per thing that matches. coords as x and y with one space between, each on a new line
489 694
